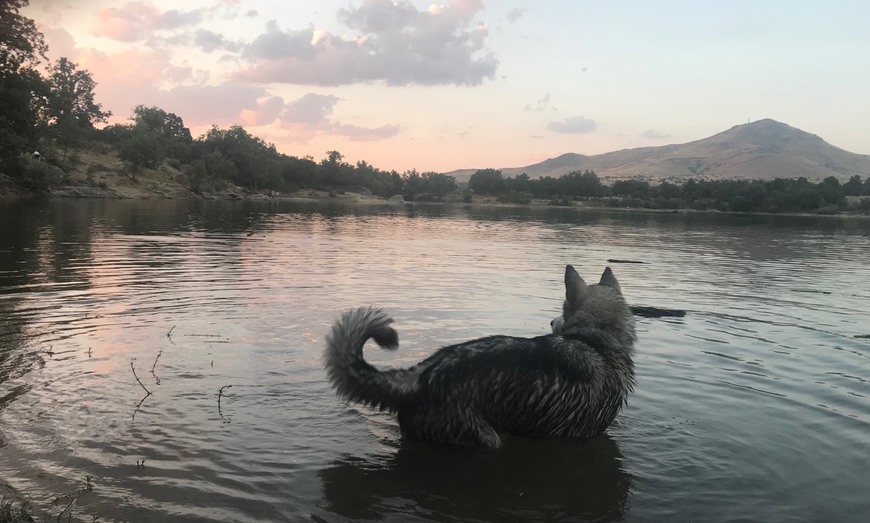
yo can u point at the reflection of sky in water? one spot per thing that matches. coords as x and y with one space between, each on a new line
756 395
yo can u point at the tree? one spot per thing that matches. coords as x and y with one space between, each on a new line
831 191
210 172
72 110
486 181
585 184
853 186
23 92
175 139
257 163
169 125
72 95
636 188
21 45
439 184
22 97
141 148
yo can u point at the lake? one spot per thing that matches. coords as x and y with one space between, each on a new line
161 361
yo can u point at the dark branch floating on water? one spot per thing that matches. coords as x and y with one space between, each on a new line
656 312
614 260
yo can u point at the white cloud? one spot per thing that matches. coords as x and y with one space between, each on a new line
573 125
210 41
365 134
396 43
652 134
311 109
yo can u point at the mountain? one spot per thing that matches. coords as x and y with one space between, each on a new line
764 149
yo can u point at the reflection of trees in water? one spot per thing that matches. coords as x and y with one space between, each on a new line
15 361
526 480
18 235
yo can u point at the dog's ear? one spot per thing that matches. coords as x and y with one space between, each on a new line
609 280
575 287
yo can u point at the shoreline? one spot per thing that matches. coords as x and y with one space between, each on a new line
77 192
101 175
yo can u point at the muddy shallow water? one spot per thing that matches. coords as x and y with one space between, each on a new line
754 406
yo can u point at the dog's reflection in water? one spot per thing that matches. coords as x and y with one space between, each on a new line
525 480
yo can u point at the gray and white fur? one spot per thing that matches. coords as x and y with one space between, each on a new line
568 384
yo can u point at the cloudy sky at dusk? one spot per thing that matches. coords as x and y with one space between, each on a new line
472 84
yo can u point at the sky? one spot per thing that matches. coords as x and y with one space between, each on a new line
476 84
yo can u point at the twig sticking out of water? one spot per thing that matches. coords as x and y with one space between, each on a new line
156 379
169 334
220 393
147 392
89 487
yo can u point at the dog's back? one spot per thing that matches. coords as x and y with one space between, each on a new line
569 384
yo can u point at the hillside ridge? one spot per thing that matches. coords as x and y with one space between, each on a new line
764 149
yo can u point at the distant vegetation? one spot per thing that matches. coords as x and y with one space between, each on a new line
55 112
779 195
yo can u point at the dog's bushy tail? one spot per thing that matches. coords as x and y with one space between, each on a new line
353 378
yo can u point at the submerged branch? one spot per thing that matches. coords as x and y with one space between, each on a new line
656 312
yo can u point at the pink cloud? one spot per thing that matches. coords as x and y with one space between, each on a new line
139 19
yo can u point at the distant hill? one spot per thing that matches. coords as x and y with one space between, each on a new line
764 149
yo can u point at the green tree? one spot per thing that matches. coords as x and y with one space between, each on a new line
23 92
853 186
585 184
669 190
141 148
831 192
487 181
636 188
439 184
72 110
72 95
257 163
175 139
413 183
211 171
169 125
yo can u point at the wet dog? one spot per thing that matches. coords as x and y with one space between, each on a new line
568 384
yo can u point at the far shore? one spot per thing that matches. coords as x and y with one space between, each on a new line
350 198
101 175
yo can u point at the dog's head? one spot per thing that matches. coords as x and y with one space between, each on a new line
600 306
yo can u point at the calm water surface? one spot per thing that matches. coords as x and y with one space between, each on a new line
755 406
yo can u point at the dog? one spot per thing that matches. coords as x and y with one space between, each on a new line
568 384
